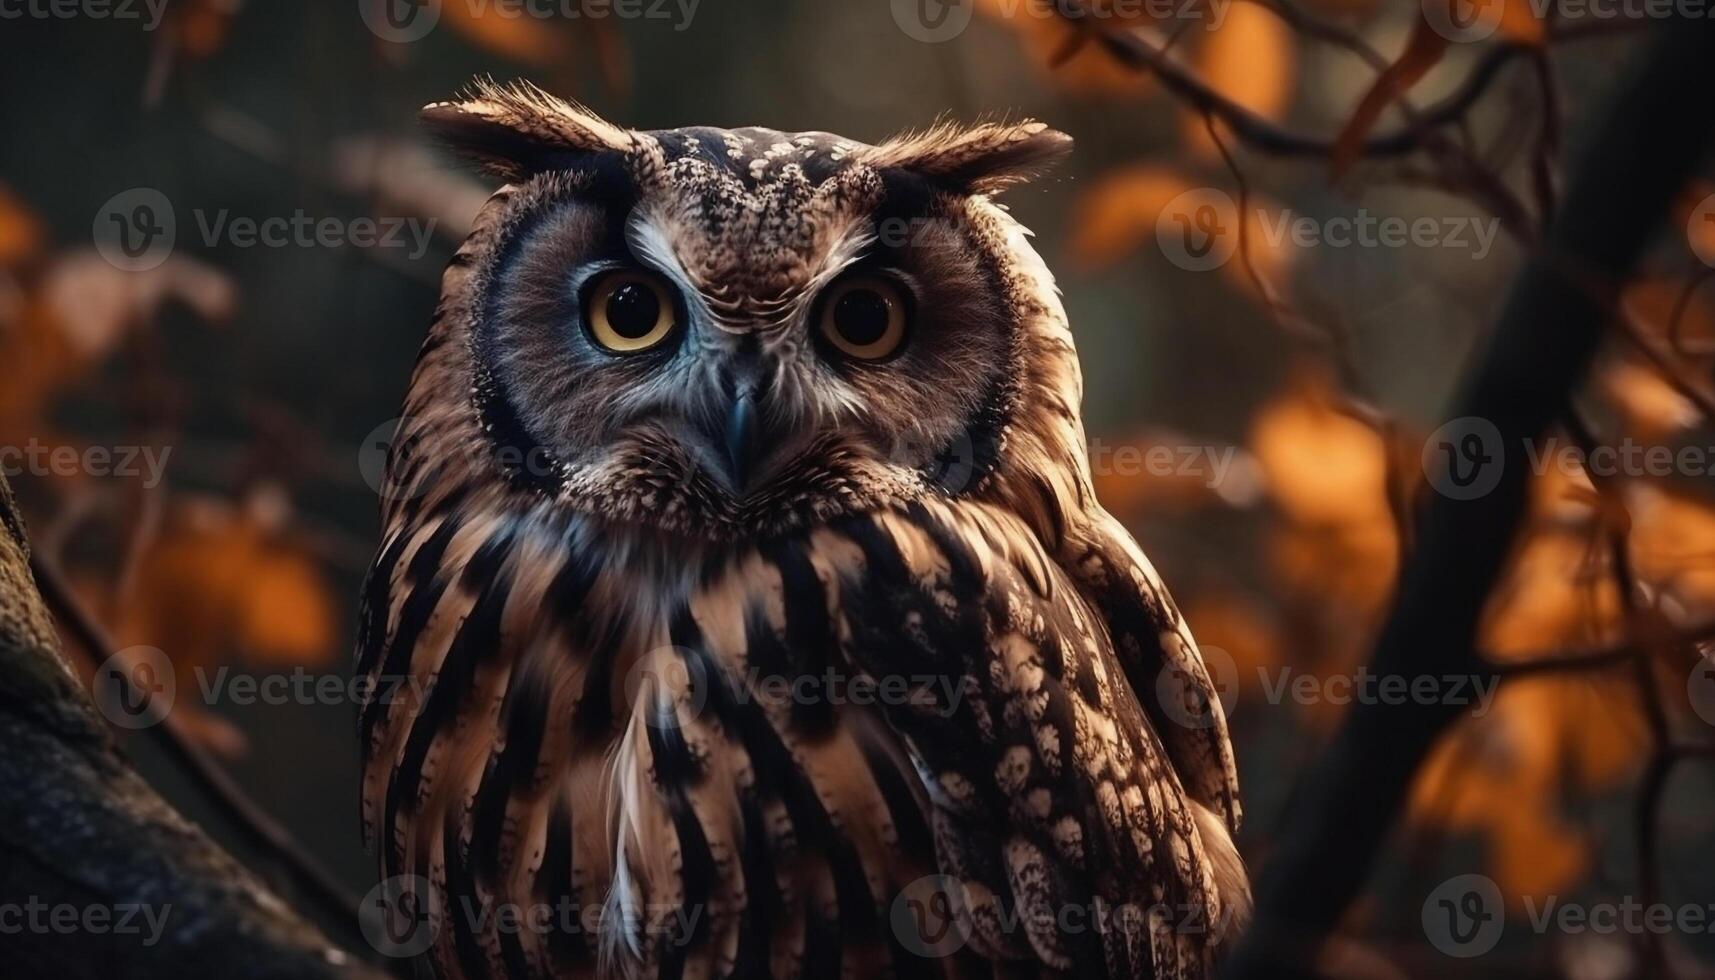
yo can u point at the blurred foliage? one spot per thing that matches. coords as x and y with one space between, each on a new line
264 369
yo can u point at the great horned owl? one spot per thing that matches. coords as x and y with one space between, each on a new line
743 592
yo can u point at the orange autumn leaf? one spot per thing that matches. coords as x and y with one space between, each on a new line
1672 545
1053 44
1352 9
1423 51
1117 213
1517 21
1501 775
200 27
505 30
1562 495
1664 311
20 230
44 360
1321 465
1327 473
1553 595
285 614
1652 407
221 579
1193 227
78 312
1435 31
1346 572
1534 852
1251 60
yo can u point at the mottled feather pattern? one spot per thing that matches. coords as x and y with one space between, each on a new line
1077 797
620 693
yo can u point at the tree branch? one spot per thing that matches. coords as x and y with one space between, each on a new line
1640 156
110 882
258 829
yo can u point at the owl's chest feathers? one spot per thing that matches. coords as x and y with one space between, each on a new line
603 721
531 612
528 613
532 653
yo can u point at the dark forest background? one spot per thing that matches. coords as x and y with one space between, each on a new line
268 372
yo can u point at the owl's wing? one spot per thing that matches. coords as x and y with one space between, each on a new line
1161 660
1056 805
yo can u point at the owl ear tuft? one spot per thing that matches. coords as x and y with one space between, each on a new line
516 130
986 158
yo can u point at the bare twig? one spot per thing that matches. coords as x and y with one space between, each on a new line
1604 658
1616 522
1644 148
1358 402
1268 137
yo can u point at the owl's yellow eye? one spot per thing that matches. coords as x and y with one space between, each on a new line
864 317
630 311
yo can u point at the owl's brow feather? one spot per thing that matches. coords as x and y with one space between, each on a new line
649 235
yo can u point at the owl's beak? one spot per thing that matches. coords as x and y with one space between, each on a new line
741 440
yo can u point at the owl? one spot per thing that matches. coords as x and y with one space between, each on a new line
744 608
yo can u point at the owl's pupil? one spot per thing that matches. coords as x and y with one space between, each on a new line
861 316
632 310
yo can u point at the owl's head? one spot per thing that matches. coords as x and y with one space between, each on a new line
727 332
